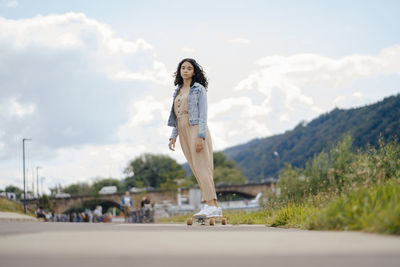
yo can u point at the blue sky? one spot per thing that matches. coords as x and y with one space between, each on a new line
334 28
91 81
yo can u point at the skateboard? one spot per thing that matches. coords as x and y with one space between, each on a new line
203 220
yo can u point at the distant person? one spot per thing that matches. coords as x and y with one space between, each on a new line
126 204
144 201
89 214
146 210
79 215
74 217
188 117
40 213
97 213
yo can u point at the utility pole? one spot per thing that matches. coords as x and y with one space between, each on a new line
37 180
33 181
23 163
278 162
33 185
41 180
263 168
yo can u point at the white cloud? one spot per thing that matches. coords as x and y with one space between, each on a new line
74 31
358 94
77 164
292 75
157 74
12 3
284 117
66 82
189 49
309 69
245 105
19 110
143 113
65 72
237 119
239 41
69 30
349 100
11 107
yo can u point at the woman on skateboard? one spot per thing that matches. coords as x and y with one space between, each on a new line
188 118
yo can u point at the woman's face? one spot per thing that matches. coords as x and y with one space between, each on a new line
187 70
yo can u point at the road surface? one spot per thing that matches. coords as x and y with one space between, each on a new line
83 244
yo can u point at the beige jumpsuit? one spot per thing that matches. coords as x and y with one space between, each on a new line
201 163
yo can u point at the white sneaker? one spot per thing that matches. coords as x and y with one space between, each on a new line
202 212
219 212
213 211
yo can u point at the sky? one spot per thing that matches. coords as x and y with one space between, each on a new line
91 82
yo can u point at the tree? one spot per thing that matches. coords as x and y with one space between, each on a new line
45 202
101 182
78 189
226 171
228 175
221 160
296 146
54 190
157 171
14 189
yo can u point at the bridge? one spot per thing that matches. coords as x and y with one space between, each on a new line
64 205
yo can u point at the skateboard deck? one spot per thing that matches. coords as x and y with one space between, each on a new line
203 220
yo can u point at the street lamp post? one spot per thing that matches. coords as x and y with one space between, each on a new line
41 183
263 168
23 160
278 163
37 180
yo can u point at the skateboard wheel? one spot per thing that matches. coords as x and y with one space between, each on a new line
223 221
212 221
189 221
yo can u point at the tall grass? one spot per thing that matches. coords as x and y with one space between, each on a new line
12 206
341 188
375 209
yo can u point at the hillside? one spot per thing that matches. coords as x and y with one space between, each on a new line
296 146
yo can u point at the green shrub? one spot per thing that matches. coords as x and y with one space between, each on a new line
341 189
374 209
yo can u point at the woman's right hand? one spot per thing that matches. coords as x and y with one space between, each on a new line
171 144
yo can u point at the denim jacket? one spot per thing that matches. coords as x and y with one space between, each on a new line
197 105
123 202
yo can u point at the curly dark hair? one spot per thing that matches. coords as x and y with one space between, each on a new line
199 75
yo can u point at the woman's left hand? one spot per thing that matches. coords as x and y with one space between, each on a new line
199 144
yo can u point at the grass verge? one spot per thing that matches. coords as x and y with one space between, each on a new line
374 209
12 206
370 209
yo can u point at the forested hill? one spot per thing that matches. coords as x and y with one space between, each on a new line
365 124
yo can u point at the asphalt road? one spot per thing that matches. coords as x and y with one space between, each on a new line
82 244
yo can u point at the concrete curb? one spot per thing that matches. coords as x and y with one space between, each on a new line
16 217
